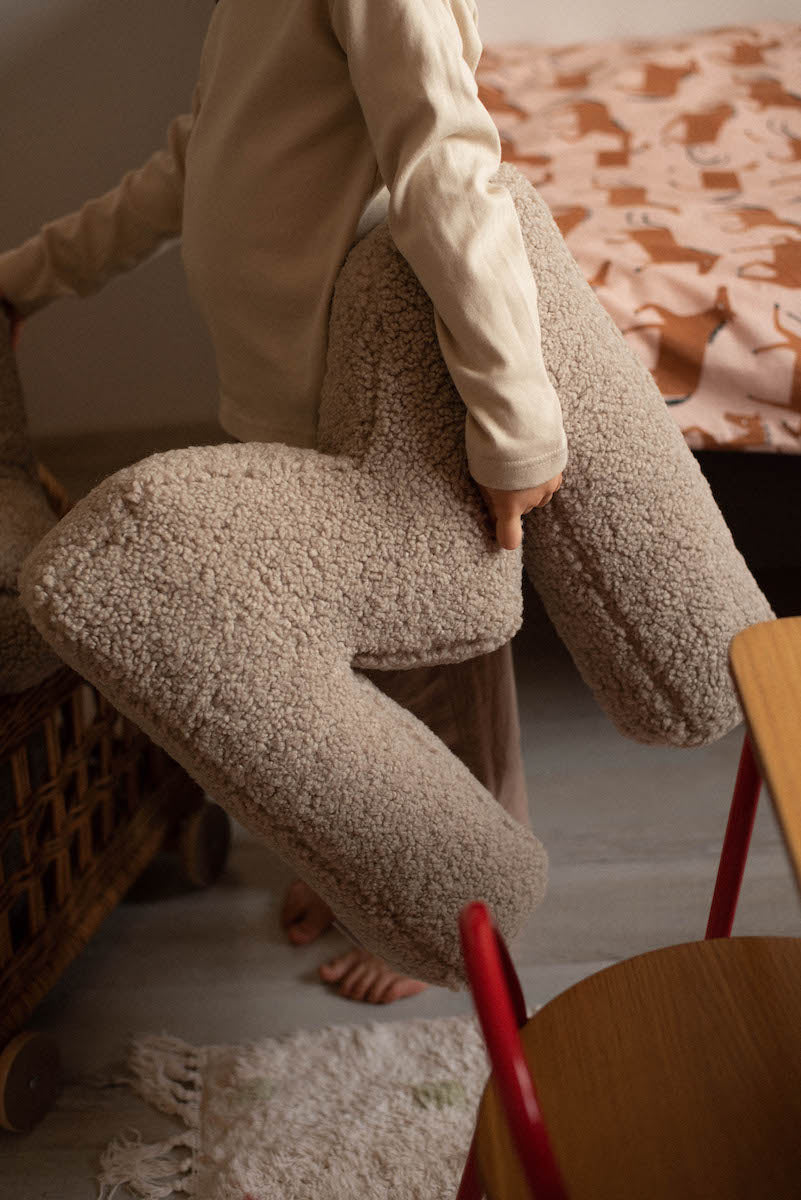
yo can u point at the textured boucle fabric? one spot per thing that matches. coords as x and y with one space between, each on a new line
25 517
221 596
632 558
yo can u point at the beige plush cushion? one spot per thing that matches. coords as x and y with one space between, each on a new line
25 517
632 559
221 596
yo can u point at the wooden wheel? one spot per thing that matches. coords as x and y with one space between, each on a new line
30 1080
203 843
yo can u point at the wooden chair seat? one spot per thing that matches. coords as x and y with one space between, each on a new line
677 1073
673 1074
765 664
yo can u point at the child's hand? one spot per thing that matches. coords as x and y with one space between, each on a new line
15 319
507 507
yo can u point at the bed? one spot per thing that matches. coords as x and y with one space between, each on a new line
672 166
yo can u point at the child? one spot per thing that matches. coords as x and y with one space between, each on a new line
311 121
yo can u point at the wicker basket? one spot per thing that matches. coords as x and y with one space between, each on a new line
86 800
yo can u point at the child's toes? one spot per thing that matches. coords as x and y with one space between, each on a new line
335 968
401 987
365 976
303 931
296 901
382 985
357 981
304 915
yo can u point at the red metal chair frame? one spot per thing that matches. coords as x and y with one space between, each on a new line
501 1009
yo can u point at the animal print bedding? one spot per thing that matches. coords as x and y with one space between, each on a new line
672 167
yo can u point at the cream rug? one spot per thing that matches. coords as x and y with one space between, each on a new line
379 1111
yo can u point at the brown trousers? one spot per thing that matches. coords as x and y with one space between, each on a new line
472 707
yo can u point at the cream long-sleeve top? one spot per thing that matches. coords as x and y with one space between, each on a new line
311 121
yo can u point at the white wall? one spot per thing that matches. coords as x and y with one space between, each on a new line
87 89
576 20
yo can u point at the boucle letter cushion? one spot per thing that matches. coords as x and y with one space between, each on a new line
221 597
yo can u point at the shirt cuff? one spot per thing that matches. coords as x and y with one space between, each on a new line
518 475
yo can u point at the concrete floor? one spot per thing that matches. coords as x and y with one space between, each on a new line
633 832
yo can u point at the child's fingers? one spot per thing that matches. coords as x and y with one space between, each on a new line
509 532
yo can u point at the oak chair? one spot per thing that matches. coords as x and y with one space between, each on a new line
678 1071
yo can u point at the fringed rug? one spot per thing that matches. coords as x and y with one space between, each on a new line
380 1111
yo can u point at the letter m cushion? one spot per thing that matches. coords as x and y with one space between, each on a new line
224 597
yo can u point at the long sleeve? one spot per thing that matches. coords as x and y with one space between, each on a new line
78 253
437 147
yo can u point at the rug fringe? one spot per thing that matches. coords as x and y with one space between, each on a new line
165 1071
148 1170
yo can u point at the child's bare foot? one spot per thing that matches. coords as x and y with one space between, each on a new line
305 915
363 976
366 977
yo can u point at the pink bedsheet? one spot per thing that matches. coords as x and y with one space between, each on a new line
672 167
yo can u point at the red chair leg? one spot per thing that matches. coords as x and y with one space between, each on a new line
735 844
512 981
471 1187
490 972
